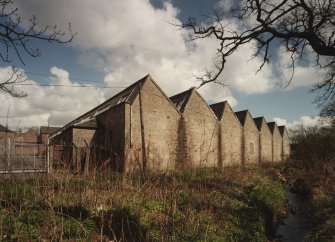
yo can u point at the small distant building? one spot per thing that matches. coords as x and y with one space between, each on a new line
199 127
230 135
250 146
265 140
277 142
286 150
45 131
29 136
6 135
5 132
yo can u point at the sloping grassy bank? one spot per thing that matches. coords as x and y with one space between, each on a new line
234 204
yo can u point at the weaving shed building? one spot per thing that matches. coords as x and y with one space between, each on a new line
142 129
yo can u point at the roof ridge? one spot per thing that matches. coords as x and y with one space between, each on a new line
242 118
102 105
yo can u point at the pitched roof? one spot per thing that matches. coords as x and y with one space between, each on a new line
126 95
259 122
272 126
180 100
48 129
282 129
90 123
242 116
218 108
4 129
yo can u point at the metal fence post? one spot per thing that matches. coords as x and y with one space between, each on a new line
8 154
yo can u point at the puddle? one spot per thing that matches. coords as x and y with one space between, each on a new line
296 225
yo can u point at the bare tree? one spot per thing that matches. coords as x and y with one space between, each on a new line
326 98
295 25
16 37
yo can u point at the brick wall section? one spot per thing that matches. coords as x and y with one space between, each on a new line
201 132
42 138
82 137
265 143
64 156
160 128
109 140
231 135
251 141
27 137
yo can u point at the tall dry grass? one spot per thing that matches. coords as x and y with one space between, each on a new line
204 204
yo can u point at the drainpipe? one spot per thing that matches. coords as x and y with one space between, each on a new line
144 155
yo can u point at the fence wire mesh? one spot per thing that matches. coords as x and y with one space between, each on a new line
22 157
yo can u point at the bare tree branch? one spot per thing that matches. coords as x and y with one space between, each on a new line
294 24
16 38
15 77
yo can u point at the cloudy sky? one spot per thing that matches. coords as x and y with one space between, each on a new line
119 42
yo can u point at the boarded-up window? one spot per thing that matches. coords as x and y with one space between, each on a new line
252 148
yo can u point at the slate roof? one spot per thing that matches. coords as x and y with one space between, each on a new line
272 126
282 129
4 129
180 100
87 120
91 124
218 108
128 95
259 121
48 130
242 116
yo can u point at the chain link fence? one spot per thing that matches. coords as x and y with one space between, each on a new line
18 157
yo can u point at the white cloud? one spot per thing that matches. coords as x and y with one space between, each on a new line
226 5
127 40
280 121
306 121
43 105
306 73
127 43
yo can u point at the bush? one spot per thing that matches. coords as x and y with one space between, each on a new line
313 145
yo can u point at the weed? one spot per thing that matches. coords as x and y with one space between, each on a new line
198 205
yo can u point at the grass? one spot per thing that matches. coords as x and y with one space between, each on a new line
317 185
197 205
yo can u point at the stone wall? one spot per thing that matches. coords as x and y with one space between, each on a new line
109 140
265 143
286 144
201 132
231 138
144 130
251 141
157 128
277 144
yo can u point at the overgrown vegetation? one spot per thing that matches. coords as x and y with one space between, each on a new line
197 205
314 173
